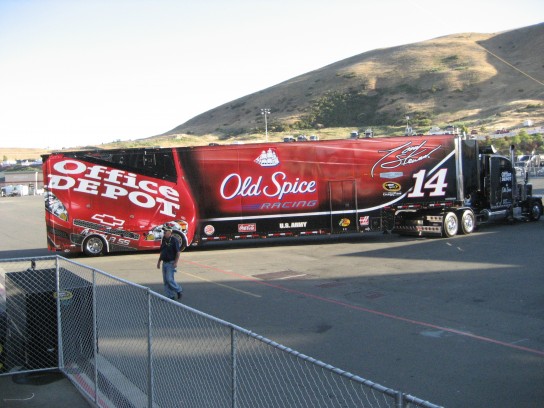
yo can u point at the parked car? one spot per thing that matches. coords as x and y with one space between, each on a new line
314 138
7 191
302 138
289 139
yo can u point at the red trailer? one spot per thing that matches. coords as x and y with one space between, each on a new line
100 201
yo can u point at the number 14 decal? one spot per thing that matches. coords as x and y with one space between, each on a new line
436 185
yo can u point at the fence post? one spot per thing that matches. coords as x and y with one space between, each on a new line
149 353
234 379
60 351
399 400
95 341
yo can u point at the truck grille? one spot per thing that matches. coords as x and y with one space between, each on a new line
106 230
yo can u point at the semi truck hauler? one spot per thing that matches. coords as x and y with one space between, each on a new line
120 200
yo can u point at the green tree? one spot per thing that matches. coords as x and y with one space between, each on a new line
523 143
538 143
340 109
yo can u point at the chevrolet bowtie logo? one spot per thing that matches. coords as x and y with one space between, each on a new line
108 220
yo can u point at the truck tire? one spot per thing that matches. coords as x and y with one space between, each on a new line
450 225
468 222
535 210
93 246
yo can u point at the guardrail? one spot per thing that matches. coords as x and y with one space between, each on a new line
123 345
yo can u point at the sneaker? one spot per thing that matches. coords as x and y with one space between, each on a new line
179 295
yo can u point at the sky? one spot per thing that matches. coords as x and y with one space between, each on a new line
78 72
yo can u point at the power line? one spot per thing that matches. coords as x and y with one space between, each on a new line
510 65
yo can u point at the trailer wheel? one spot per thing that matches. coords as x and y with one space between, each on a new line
93 246
468 222
450 225
535 211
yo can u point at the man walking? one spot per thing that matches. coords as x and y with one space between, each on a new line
170 251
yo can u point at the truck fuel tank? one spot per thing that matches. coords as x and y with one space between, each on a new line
491 216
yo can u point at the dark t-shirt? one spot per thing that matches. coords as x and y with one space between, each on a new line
169 249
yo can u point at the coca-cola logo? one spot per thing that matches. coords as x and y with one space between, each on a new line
278 186
247 227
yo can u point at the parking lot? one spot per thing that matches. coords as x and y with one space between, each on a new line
458 321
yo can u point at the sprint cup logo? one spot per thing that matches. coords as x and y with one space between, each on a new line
391 188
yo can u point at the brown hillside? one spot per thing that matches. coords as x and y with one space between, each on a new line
15 153
490 81
496 80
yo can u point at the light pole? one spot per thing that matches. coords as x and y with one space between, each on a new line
265 112
408 130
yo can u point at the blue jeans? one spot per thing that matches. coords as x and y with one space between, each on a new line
171 287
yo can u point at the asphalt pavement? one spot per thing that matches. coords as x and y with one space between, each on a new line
39 390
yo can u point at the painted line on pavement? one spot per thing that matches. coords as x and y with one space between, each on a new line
223 285
371 311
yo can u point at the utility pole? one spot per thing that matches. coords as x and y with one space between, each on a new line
265 112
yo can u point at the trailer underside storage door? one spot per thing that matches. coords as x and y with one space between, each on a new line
343 205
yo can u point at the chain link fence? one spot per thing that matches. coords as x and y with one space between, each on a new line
123 345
